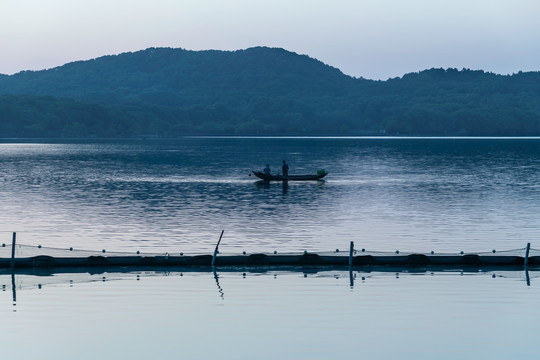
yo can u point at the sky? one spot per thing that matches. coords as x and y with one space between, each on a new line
373 39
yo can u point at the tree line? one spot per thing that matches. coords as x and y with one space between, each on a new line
167 92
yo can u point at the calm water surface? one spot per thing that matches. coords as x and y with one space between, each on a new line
270 315
445 195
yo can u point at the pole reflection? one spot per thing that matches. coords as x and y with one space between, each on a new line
220 290
13 288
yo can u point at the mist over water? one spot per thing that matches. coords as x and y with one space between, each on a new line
444 195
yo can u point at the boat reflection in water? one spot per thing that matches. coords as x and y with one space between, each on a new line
277 177
284 184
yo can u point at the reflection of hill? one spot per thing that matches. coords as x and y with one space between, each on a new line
171 92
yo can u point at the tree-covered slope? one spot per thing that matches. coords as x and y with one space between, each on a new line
172 92
182 76
466 102
46 116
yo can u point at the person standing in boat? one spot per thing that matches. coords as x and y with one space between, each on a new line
285 168
267 169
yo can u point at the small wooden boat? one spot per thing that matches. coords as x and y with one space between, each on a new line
269 177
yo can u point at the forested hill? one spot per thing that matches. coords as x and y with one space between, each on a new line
265 91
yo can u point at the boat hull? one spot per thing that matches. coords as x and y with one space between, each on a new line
267 177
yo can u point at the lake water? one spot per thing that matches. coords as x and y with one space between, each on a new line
445 195
270 315
419 195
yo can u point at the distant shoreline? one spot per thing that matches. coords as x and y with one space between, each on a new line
291 137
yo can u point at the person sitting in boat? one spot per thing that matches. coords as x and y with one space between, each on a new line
267 169
285 168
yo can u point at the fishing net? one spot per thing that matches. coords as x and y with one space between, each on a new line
55 256
28 251
365 252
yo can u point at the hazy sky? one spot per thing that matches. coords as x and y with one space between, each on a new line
375 39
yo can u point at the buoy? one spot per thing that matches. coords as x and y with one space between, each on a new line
363 278
461 252
432 252
305 252
243 252
275 252
363 250
70 249
138 252
493 251
337 250
39 246
397 251
181 254
103 250
249 175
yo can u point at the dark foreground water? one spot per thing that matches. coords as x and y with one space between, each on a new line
270 315
445 195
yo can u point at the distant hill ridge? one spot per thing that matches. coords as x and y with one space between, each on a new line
176 71
269 91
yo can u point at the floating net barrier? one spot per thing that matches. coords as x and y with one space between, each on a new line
26 251
37 256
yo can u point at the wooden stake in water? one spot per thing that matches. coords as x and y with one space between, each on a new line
13 250
351 250
526 261
216 249
351 277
